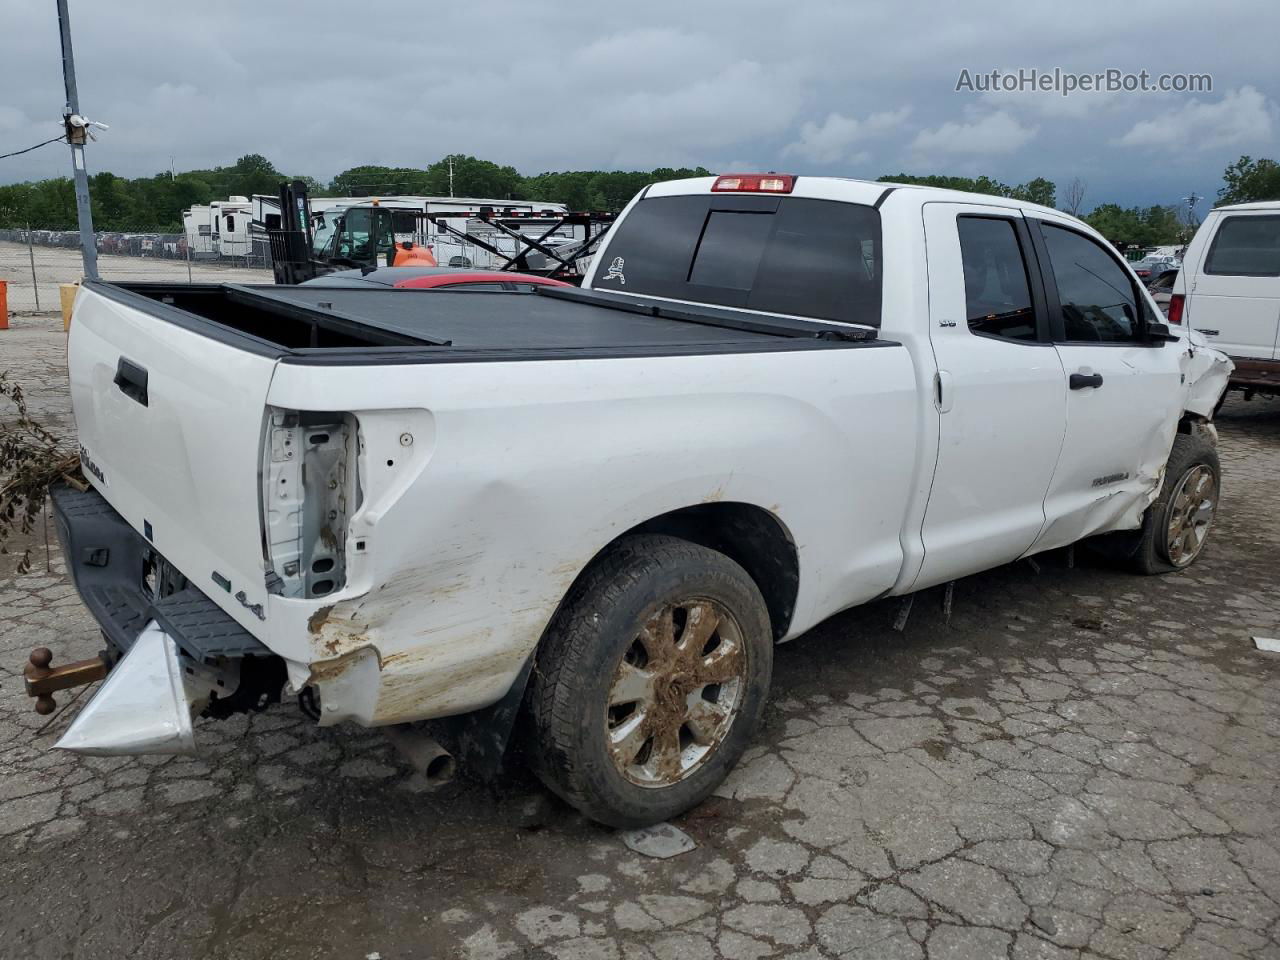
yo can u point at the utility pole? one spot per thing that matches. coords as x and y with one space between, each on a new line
77 133
1192 220
451 175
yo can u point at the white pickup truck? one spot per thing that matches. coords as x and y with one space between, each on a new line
588 515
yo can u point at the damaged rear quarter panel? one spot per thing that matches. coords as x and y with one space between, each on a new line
468 554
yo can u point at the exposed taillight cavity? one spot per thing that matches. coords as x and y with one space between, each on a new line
754 183
310 489
1176 303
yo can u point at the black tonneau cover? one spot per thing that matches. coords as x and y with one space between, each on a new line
314 323
468 319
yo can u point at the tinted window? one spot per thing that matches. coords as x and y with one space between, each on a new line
1246 247
788 255
997 294
1096 293
404 221
731 248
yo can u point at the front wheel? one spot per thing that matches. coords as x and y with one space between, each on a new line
650 682
1176 525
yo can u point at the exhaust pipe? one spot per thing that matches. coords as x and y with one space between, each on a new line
431 762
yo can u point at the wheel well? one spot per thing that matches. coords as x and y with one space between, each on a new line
1190 422
750 536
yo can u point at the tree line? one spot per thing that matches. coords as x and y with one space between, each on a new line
155 204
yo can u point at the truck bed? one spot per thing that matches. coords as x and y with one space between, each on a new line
335 324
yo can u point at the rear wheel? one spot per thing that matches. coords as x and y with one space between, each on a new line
1176 526
651 681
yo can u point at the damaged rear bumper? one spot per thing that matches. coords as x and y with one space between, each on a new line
173 653
145 705
126 583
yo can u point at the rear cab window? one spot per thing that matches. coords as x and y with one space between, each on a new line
787 255
997 292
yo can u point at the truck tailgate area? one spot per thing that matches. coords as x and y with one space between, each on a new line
170 425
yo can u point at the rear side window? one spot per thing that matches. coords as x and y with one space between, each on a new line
997 294
787 255
1097 296
1246 247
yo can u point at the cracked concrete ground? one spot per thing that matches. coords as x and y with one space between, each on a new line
1083 764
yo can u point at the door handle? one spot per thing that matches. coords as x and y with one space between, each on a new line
944 395
1078 381
132 380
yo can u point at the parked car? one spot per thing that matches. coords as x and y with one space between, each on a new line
1150 267
434 278
588 515
1229 291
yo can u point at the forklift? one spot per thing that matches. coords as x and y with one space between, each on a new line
363 238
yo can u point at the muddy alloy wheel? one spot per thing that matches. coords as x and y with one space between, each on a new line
650 681
676 692
1177 524
1191 509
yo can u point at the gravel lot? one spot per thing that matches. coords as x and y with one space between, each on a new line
1083 764
56 265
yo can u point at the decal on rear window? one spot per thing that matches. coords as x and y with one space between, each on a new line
615 270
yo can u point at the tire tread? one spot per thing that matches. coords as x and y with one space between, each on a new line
560 669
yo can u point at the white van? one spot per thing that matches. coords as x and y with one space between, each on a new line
1229 290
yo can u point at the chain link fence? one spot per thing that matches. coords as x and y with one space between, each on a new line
35 262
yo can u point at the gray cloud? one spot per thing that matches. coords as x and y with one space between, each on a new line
823 87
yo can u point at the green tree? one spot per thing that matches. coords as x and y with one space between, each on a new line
1162 226
253 173
377 181
473 177
1248 180
1123 227
1039 191
110 200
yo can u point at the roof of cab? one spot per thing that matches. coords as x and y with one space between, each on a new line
1256 205
870 192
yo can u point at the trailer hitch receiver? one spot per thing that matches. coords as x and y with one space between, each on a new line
43 680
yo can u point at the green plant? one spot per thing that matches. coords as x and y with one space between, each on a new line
31 458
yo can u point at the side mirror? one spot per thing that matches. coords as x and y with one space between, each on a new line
1160 333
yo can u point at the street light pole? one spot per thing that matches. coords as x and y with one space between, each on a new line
76 136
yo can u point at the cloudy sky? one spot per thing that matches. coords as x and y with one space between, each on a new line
821 87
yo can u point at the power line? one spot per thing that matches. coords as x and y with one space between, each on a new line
29 149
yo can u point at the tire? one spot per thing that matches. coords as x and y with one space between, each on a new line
1177 524
624 726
